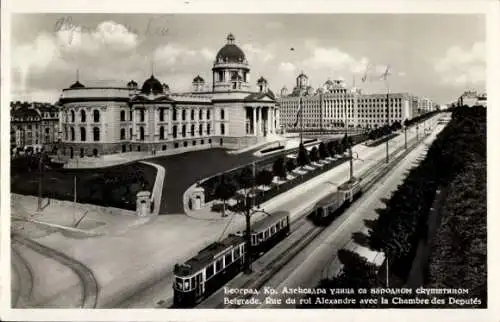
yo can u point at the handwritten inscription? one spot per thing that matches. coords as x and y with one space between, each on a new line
156 26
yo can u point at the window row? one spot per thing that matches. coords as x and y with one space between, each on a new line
83 116
224 261
174 115
83 134
175 131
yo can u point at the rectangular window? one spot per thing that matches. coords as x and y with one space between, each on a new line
227 259
209 271
218 265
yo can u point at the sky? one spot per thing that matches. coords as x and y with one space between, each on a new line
431 55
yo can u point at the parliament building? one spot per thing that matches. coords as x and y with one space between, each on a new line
224 113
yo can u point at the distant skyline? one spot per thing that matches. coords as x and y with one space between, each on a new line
432 55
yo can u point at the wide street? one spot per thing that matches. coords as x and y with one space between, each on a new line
318 260
297 201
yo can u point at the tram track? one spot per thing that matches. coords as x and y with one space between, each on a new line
26 277
90 287
369 179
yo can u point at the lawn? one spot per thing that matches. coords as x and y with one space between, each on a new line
110 187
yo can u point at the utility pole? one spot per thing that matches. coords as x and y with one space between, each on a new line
40 178
351 176
248 238
387 142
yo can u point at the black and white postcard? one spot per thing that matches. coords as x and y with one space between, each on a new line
165 158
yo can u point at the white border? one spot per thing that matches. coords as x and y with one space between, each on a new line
490 8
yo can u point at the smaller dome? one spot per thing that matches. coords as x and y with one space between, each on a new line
152 85
77 84
198 79
132 83
329 82
302 74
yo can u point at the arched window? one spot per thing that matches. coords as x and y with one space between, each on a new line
183 115
142 115
162 116
162 133
174 131
183 131
200 114
97 134
192 115
192 129
141 133
97 116
122 115
208 114
221 114
83 116
208 128
72 131
83 134
122 134
222 129
200 129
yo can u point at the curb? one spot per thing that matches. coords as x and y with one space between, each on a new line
156 194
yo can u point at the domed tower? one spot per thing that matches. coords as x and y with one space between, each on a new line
302 80
132 85
262 84
152 86
284 91
198 84
230 71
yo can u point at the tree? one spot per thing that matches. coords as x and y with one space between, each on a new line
313 155
339 148
323 152
224 191
290 165
279 169
331 148
264 177
302 157
245 178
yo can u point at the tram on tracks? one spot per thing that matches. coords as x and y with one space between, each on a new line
332 206
219 262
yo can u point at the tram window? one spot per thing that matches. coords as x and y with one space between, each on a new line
242 250
260 236
254 239
218 265
236 254
227 259
210 271
180 283
193 282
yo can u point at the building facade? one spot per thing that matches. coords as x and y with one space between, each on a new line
105 120
472 98
34 125
334 105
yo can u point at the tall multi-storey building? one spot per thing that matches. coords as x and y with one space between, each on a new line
335 105
104 120
34 124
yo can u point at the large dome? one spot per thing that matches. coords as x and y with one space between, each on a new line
230 52
152 85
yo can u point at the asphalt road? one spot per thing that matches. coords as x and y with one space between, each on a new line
318 260
297 201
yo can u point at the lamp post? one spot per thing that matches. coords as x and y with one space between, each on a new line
249 212
40 176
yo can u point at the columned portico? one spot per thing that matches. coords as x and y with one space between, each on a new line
254 123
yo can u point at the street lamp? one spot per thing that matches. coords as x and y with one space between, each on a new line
249 212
